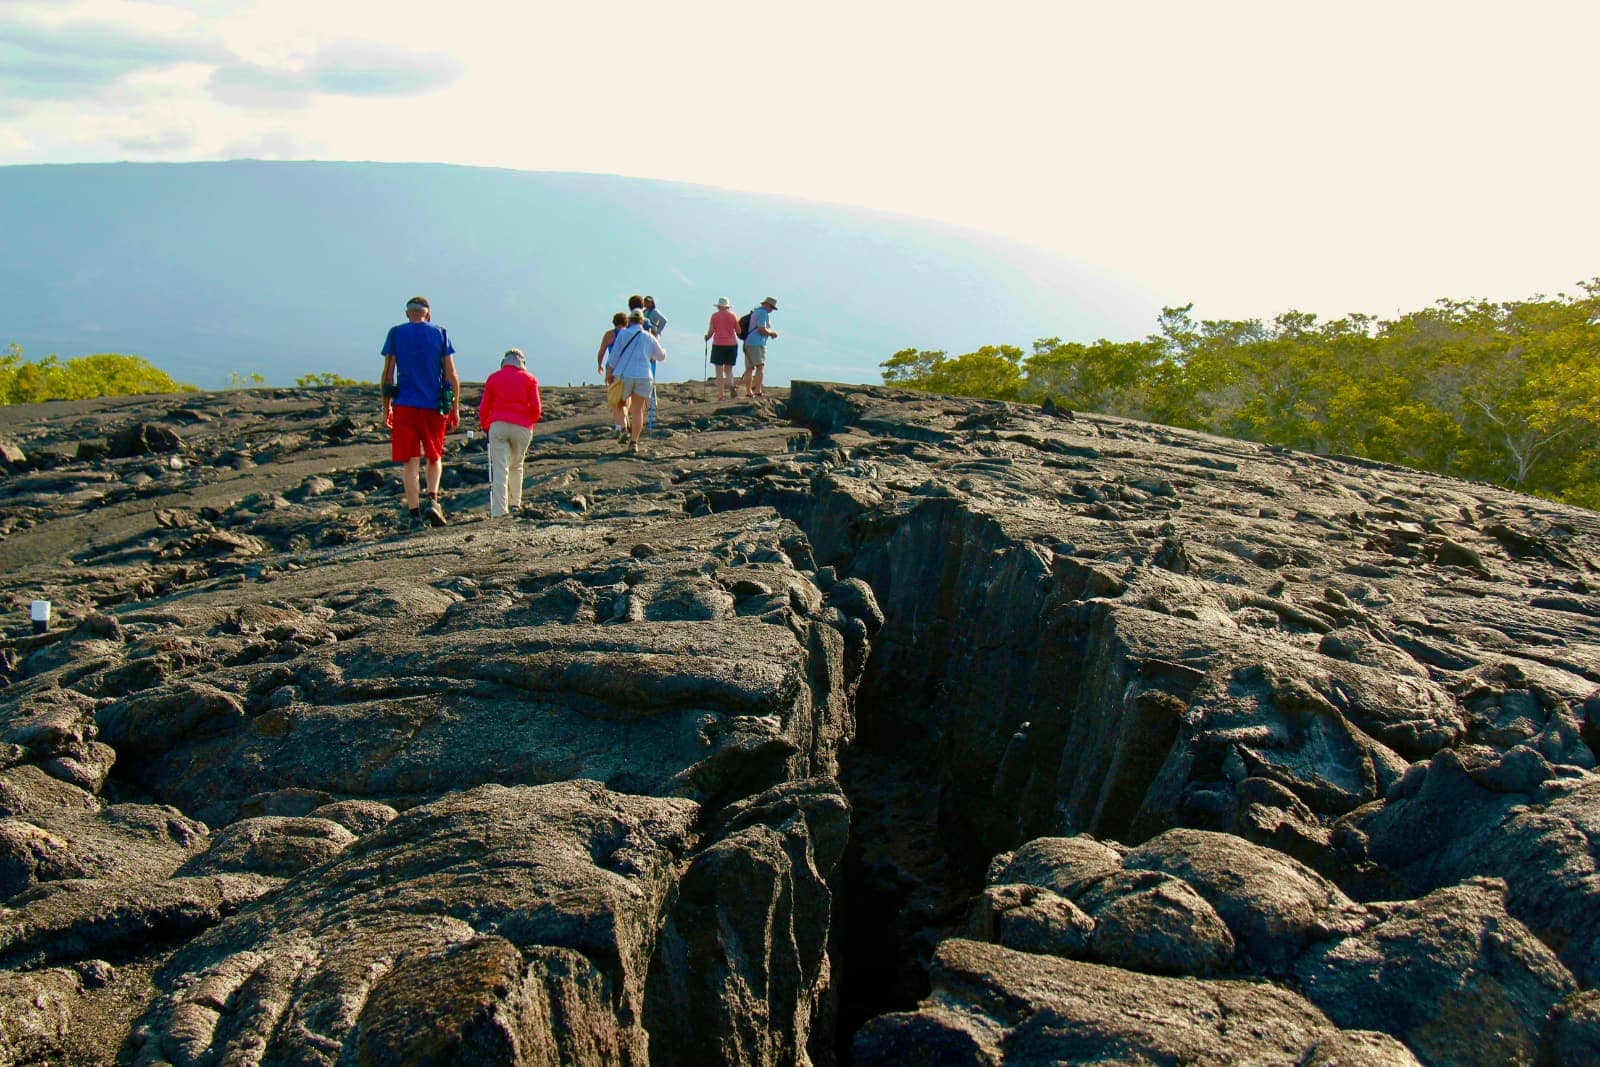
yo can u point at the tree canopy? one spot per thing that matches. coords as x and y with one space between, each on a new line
327 378
1499 392
24 381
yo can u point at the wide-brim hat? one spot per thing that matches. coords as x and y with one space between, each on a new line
514 358
724 302
773 301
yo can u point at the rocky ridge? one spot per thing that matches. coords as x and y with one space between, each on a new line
847 725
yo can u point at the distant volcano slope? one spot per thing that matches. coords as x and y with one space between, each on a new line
294 268
846 725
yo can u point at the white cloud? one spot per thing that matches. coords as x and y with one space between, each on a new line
364 68
276 143
80 57
157 142
251 85
146 16
347 68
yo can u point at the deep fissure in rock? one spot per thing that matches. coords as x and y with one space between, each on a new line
961 719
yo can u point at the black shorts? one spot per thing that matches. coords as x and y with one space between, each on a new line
724 355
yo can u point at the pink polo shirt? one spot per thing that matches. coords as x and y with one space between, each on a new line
724 327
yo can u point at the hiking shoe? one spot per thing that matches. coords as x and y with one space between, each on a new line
416 522
433 514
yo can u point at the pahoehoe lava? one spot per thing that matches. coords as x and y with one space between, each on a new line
850 725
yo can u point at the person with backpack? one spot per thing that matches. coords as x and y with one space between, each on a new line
654 323
755 330
723 333
421 400
507 413
630 361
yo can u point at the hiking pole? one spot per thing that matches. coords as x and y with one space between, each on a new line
703 357
650 420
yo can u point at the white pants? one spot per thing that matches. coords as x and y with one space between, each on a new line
508 444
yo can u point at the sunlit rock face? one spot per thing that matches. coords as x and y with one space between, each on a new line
843 725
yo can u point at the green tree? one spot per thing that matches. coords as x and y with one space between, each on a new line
1503 392
1109 376
24 381
326 378
993 371
910 368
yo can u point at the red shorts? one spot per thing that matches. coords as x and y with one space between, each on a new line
416 430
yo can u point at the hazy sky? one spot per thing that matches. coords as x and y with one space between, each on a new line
1250 157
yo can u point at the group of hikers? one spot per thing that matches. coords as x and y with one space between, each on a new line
422 393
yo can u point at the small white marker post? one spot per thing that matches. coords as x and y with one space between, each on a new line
39 611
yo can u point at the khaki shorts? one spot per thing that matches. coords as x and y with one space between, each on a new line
755 355
637 387
614 393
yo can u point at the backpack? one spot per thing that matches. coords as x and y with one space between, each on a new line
743 330
447 395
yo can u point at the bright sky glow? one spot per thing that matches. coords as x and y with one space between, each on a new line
1251 157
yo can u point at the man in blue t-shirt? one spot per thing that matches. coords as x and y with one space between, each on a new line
418 368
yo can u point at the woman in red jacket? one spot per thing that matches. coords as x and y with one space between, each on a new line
507 412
